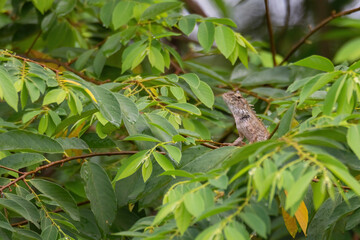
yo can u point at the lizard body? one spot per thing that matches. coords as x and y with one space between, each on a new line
247 123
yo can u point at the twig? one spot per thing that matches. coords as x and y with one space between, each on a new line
10 169
33 43
315 29
274 131
268 100
271 36
209 146
286 23
62 161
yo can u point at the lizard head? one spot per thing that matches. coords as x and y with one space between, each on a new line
234 98
237 103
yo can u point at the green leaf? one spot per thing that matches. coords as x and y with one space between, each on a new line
204 93
286 120
348 52
206 35
18 206
178 92
243 56
128 108
108 104
164 211
106 12
4 223
315 84
333 94
64 7
146 170
194 203
7 89
220 182
141 137
99 62
30 115
43 124
232 233
56 95
59 195
30 208
226 21
72 143
174 152
186 107
192 79
316 62
353 139
182 218
133 56
163 161
20 160
130 165
254 222
180 173
43 5
50 233
187 24
122 13
83 59
25 234
112 44
100 193
298 190
158 8
27 141
156 59
340 171
225 40
176 55
319 192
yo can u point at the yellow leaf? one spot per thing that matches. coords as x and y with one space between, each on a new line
302 217
290 223
153 90
40 55
76 131
90 95
71 81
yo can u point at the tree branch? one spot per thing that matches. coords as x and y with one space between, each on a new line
62 161
193 7
271 36
315 29
10 169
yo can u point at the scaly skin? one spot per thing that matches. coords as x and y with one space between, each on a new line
247 124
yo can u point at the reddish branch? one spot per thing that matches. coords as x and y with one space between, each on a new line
10 169
316 28
271 36
62 161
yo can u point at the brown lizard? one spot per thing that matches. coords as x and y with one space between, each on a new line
247 123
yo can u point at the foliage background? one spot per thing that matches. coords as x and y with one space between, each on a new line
112 124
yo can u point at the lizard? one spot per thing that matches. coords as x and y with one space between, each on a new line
247 123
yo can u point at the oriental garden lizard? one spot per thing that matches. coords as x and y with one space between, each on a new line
247 123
